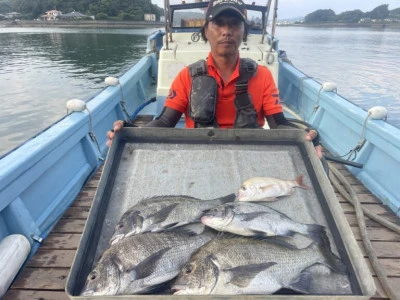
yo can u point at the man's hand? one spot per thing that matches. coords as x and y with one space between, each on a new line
111 133
310 136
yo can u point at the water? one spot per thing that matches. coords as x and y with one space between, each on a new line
363 62
42 68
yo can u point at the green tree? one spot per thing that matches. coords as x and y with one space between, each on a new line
350 16
320 16
112 8
5 7
395 13
381 12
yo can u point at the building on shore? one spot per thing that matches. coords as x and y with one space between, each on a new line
51 15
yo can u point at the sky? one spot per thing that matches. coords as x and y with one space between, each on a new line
300 8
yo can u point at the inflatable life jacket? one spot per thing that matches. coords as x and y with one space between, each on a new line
204 91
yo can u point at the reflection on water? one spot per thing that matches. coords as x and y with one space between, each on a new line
41 69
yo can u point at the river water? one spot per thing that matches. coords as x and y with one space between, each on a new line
42 68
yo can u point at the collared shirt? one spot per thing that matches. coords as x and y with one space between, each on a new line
261 88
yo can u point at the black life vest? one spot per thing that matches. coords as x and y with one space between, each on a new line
204 91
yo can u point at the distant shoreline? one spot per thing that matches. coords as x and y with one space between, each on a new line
150 24
350 25
83 24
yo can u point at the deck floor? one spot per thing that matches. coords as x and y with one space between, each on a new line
45 275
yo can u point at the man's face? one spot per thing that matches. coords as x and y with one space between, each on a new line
225 34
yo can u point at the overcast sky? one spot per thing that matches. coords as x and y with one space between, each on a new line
300 8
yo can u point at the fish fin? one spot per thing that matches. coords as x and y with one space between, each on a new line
226 199
289 233
279 213
331 259
169 226
316 233
190 229
300 184
302 283
279 242
162 214
259 233
146 267
167 197
266 187
161 288
242 275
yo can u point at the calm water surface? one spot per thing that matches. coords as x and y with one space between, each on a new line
363 62
41 68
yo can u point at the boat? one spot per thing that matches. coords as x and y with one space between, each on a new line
40 179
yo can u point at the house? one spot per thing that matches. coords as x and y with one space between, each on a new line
74 15
51 15
12 15
150 17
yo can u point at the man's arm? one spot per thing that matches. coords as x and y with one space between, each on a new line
279 121
169 117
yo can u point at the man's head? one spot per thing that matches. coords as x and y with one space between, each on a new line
228 9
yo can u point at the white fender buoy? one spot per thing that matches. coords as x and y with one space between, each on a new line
378 113
111 81
329 87
14 249
76 105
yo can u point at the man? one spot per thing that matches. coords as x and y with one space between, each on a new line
217 99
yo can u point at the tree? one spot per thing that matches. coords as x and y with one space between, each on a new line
395 13
5 7
113 8
350 16
381 12
320 16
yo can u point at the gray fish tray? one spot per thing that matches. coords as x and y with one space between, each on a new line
209 163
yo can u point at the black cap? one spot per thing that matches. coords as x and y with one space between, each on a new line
215 7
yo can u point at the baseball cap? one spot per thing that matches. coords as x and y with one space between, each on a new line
216 7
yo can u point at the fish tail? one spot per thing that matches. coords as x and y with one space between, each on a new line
226 199
316 232
330 259
299 182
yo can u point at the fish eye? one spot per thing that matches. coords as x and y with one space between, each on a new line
188 269
93 276
120 225
243 188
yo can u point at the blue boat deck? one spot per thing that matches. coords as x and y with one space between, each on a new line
45 275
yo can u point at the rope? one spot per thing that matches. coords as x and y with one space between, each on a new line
335 176
367 212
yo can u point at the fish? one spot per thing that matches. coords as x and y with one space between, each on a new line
268 188
163 212
141 263
242 265
254 219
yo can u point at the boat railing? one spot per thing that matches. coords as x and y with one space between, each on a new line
345 129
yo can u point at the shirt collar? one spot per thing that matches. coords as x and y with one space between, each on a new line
210 64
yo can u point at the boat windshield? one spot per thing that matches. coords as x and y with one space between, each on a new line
190 17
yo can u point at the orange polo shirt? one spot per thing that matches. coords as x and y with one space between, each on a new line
261 88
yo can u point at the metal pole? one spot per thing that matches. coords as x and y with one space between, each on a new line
166 17
266 21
